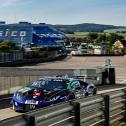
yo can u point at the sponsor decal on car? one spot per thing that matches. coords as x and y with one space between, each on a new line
55 98
25 89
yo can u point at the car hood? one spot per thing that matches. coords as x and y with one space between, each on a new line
27 93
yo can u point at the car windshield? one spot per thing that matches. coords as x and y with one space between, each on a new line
50 84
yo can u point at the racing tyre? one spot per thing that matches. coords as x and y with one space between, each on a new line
95 91
86 94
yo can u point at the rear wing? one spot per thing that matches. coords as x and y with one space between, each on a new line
86 77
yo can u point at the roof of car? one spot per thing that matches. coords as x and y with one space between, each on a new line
61 78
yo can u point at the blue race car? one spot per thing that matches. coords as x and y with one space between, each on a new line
50 90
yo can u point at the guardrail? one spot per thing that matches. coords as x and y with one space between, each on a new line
7 60
10 57
102 110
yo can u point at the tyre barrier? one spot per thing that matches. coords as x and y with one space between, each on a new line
112 75
108 76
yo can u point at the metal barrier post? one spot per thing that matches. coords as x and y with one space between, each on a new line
0 123
106 110
125 105
30 120
77 114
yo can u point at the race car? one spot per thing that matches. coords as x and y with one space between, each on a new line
49 91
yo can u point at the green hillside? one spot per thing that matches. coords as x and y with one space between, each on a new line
85 27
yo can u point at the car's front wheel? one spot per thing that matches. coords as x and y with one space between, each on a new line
94 91
86 94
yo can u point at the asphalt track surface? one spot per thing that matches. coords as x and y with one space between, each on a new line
119 62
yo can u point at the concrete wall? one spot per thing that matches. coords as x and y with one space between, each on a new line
11 79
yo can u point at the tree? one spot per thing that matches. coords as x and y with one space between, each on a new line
7 46
92 37
112 38
101 37
118 47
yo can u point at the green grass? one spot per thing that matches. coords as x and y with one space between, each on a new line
117 31
84 34
78 34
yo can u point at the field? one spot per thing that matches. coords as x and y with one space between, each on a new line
78 34
121 32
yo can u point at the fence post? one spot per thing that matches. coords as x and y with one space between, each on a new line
1 123
124 105
106 110
77 114
30 120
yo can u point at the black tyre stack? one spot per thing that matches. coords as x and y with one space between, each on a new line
112 75
108 76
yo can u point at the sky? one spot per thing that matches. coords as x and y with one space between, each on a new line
112 12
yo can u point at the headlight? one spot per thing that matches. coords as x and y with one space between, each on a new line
14 94
17 95
15 103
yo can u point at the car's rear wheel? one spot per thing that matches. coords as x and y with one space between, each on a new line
95 91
